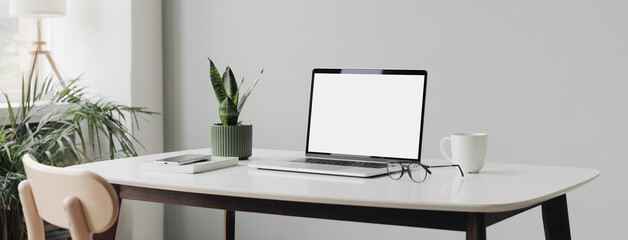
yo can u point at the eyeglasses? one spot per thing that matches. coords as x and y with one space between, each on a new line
418 172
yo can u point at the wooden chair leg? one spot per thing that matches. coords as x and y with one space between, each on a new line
78 226
34 223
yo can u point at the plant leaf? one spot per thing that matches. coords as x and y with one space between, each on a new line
217 82
231 86
228 113
237 95
246 94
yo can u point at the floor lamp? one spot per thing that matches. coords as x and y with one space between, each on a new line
39 9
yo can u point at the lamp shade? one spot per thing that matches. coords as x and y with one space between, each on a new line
37 8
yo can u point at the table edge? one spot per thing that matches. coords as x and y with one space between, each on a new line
486 208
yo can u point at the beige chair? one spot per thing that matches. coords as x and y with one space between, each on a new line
74 199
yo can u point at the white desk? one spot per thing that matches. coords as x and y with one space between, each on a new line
444 201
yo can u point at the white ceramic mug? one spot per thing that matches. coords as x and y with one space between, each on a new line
467 150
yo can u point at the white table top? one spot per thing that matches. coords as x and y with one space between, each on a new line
498 187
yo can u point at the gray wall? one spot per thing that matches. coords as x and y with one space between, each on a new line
545 79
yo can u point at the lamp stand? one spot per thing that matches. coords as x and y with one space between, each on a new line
40 44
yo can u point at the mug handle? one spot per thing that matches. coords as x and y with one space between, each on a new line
442 148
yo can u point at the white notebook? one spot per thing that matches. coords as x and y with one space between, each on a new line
213 163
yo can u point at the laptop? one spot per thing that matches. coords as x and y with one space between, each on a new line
358 120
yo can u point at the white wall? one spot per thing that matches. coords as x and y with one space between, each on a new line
545 79
93 41
115 46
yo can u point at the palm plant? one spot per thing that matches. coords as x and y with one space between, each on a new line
77 126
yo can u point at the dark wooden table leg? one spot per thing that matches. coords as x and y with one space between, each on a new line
110 234
556 218
229 225
476 226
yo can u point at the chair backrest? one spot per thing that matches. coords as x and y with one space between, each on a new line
51 185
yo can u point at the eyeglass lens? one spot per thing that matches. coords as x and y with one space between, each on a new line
395 170
417 172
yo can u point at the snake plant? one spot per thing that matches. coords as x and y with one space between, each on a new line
227 92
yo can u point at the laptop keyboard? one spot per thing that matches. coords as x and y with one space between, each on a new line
345 163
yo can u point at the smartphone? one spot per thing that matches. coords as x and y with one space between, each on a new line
183 159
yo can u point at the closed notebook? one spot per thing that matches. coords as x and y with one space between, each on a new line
213 163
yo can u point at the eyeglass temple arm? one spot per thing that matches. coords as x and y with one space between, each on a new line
453 165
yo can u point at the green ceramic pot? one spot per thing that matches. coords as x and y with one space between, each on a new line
232 141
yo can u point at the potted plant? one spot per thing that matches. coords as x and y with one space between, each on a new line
230 138
73 130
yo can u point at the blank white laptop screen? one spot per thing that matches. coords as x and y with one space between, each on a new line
376 115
